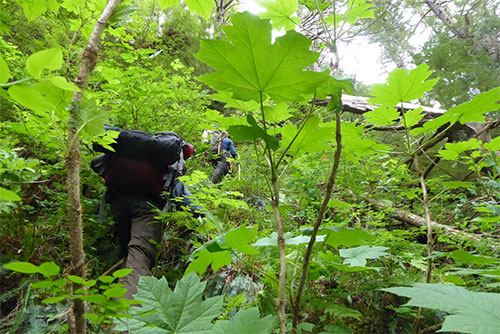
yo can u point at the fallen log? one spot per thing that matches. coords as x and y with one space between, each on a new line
417 221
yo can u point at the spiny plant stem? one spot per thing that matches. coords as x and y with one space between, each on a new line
319 220
425 202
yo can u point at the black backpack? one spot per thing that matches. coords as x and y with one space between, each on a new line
161 149
139 162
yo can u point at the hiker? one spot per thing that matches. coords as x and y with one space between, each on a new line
223 147
141 179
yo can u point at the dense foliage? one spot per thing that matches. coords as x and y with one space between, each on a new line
329 221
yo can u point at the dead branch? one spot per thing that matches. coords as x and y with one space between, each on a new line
417 221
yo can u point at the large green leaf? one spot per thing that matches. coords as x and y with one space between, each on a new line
354 141
33 8
30 97
402 86
205 258
280 13
89 117
251 68
167 3
202 7
468 258
165 311
50 59
471 312
357 256
8 195
22 267
493 145
347 236
245 322
272 240
413 116
356 9
61 82
277 113
313 138
471 111
474 110
453 150
4 71
382 115
240 238
334 87
48 269
253 132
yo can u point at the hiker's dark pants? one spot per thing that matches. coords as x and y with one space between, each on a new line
136 227
221 169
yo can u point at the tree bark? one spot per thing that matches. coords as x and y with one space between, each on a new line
446 19
87 64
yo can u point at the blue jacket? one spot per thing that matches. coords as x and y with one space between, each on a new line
228 145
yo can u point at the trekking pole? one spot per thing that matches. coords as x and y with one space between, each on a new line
239 171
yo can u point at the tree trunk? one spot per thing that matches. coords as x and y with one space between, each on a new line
87 64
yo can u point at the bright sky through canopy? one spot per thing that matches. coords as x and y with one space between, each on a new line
358 59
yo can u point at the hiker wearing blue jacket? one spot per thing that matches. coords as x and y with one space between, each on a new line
224 149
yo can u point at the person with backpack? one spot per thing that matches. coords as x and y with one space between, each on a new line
224 148
141 179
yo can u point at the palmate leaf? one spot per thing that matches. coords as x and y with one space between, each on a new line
252 133
357 9
205 258
474 110
245 322
347 236
313 138
277 113
471 111
252 68
382 115
413 116
357 256
280 13
471 312
453 150
89 117
402 86
353 141
170 312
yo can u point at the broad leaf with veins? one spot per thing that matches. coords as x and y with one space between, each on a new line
252 68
